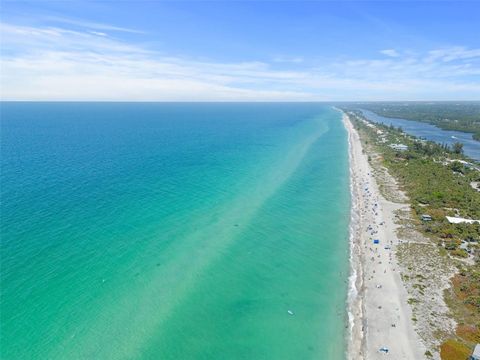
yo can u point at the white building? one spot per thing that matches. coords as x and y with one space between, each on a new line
476 353
399 147
459 220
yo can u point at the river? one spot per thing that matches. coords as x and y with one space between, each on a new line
430 132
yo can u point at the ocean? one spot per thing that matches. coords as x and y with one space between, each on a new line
173 231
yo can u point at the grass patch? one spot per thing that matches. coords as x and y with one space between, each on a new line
454 350
469 333
412 301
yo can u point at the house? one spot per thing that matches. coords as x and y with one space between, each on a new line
464 163
464 246
426 217
476 353
399 147
459 220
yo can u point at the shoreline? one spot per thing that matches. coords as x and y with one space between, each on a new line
378 312
355 336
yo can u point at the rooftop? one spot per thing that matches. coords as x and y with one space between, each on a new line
459 220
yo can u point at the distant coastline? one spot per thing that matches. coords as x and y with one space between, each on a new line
431 132
446 115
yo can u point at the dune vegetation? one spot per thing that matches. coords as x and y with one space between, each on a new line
439 182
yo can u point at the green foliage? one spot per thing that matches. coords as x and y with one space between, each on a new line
460 253
439 187
457 166
458 148
436 185
430 182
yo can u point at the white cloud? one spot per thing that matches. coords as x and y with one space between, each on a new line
452 54
97 33
51 63
91 25
29 39
390 52
288 59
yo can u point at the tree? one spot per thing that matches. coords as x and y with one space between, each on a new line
458 148
457 166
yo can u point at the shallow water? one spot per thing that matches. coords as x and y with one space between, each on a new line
173 231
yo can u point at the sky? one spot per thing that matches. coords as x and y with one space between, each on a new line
239 50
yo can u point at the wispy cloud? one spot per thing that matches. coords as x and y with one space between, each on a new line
288 59
91 25
58 63
453 54
390 52
30 39
97 33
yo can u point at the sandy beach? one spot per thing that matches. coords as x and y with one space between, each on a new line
381 324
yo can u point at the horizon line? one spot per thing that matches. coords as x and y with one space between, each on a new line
234 101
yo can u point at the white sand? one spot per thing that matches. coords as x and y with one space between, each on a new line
379 313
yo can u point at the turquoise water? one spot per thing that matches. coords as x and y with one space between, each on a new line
173 231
